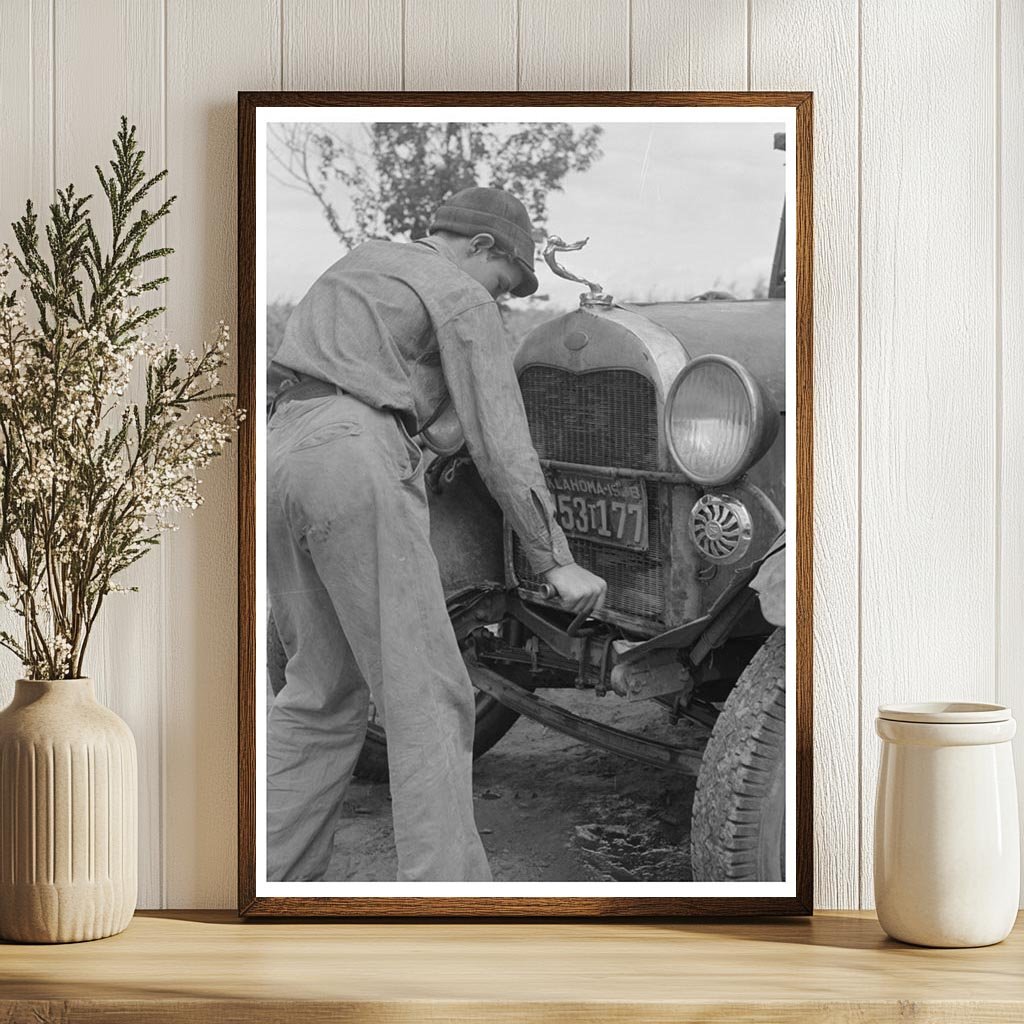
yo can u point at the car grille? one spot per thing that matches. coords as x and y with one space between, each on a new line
603 418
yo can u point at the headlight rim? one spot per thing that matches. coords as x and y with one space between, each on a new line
764 421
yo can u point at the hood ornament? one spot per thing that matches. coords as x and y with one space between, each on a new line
595 297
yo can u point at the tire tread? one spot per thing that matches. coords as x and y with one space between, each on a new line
740 764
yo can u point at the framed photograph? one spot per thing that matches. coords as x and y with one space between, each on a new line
525 504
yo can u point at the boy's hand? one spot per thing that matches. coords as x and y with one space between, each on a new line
578 589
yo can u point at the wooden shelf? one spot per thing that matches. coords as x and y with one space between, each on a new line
203 967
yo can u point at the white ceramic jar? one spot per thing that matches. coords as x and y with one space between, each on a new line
947 847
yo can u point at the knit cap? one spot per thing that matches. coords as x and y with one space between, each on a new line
498 213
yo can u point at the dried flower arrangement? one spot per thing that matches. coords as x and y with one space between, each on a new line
89 478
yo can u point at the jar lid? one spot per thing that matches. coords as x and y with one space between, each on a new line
945 712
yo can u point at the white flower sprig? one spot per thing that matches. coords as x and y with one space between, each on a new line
88 477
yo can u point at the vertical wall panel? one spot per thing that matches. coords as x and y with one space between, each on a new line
1010 176
928 410
26 100
689 44
573 44
26 104
122 656
830 70
342 44
460 44
213 51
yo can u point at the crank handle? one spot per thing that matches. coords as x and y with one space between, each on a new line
574 626
546 592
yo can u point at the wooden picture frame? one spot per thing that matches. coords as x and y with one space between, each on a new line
254 898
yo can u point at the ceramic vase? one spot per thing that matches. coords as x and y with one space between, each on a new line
68 815
947 847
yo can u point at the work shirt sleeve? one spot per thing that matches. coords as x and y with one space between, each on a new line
476 359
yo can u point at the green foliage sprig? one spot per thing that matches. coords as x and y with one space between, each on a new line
89 477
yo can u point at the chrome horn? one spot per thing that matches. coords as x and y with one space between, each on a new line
595 297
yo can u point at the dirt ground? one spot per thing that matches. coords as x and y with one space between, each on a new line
552 809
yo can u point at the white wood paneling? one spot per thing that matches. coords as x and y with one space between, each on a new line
832 75
342 44
26 103
213 51
26 169
460 44
127 665
928 522
919 595
573 44
688 44
1010 312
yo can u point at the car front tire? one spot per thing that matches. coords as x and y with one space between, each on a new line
738 830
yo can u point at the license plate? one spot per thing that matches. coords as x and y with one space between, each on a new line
604 509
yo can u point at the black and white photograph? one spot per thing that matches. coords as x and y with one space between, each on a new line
525 596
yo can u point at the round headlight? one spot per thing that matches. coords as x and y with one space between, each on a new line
718 419
444 436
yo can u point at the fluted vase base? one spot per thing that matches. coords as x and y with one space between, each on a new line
64 913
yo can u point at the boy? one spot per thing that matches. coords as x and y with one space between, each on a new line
382 338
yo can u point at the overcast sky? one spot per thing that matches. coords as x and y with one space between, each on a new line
671 210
